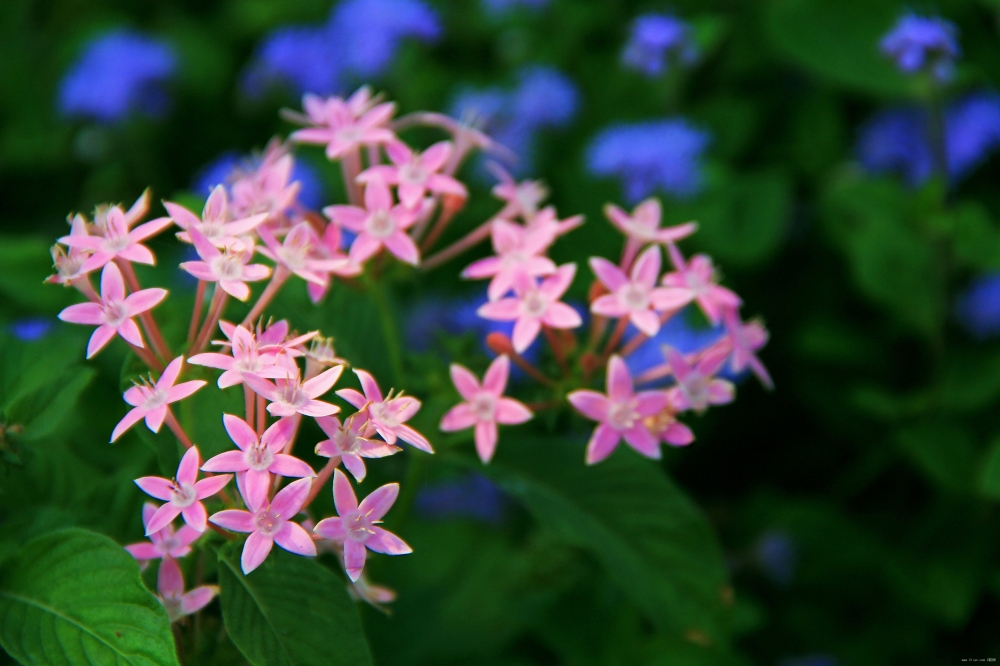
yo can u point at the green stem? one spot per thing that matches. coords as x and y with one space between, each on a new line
389 330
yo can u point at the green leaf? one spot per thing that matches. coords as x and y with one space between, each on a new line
944 452
653 541
75 597
290 611
24 263
989 480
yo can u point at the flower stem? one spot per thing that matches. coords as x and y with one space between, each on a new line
616 337
321 478
501 344
178 431
449 206
350 167
87 289
270 291
147 357
148 323
261 416
250 401
215 309
480 233
557 349
199 298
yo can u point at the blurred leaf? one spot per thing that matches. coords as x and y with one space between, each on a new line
971 381
24 263
43 411
838 40
653 541
290 611
945 453
989 480
76 597
977 240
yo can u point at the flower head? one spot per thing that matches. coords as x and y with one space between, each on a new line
697 386
519 251
269 523
182 494
643 225
379 224
357 526
344 125
697 277
351 442
389 414
164 543
655 41
250 355
115 312
116 240
923 44
170 585
216 223
69 262
484 405
298 253
416 174
150 401
292 395
230 267
636 296
746 339
620 413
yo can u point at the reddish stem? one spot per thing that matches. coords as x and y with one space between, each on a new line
261 416
85 288
557 349
147 357
156 339
249 401
178 431
215 309
270 291
501 344
318 482
480 233
450 205
616 337
199 299
350 167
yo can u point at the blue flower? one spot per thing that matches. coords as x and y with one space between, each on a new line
978 308
305 58
777 555
923 44
225 169
676 332
221 171
473 496
649 156
657 39
368 32
31 328
504 6
119 73
897 140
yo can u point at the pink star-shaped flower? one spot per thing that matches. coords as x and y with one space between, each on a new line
535 305
328 249
485 405
266 190
643 225
216 223
521 199
379 224
231 267
345 125
698 278
358 525
150 401
69 263
177 603
117 241
518 251
165 543
636 296
746 339
349 443
297 253
257 459
292 395
115 312
416 174
247 359
270 522
182 495
697 386
387 415
547 219
667 428
621 413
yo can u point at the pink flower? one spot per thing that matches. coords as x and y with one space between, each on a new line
266 190
484 405
115 312
379 224
165 543
546 219
297 253
345 125
746 339
170 584
183 495
636 296
357 525
415 174
698 278
231 268
215 223
621 414
518 251
387 415
349 443
376 595
69 263
118 241
247 359
149 401
521 199
643 225
292 395
535 305
697 387
270 522
667 428
257 458
328 248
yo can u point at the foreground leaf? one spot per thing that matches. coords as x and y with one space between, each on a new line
75 597
290 611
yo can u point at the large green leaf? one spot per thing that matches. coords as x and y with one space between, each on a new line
653 541
291 611
75 597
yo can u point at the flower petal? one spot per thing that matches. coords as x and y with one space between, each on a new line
331 528
591 404
234 520
619 380
602 443
255 551
295 539
486 440
465 382
384 541
289 500
354 558
378 503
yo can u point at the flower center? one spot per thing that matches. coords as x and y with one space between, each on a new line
117 243
483 406
169 543
380 413
694 282
184 495
413 173
535 304
622 415
115 313
268 522
381 224
291 393
155 398
358 527
634 297
350 134
695 389
259 457
227 267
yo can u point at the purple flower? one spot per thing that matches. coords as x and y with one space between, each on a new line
897 140
473 496
368 32
119 73
923 44
650 156
655 41
305 58
978 309
30 328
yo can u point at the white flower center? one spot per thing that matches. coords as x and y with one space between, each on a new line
259 457
623 415
268 522
291 394
227 267
351 134
380 224
380 413
155 398
535 304
483 406
413 173
695 389
634 296
184 495
358 527
115 313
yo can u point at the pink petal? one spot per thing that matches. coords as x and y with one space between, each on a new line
229 461
195 516
560 315
377 196
312 408
206 249
210 486
525 332
155 417
163 516
369 386
331 528
403 247
646 321
289 500
443 184
458 417
294 538
286 465
363 247
646 269
591 404
386 542
355 465
640 439
649 403
378 503
236 289
256 486
99 339
256 272
507 309
143 551
169 579
486 441
610 275
350 217
679 366
670 298
170 373
280 432
187 470
354 558
411 436
181 216
512 412
112 284
322 382
144 231
678 434
353 397
239 431
138 254
465 382
234 520
157 487
602 443
198 598
411 194
619 380
144 300
200 270
609 305
477 270
556 285
495 379
720 392
134 416
434 157
90 314
255 551
129 331
261 387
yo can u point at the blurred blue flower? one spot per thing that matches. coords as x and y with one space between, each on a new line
650 156
809 660
225 168
473 496
30 328
777 555
655 41
368 32
119 73
220 171
503 6
677 332
978 309
918 43
303 57
897 140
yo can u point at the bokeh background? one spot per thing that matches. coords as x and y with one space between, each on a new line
856 504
